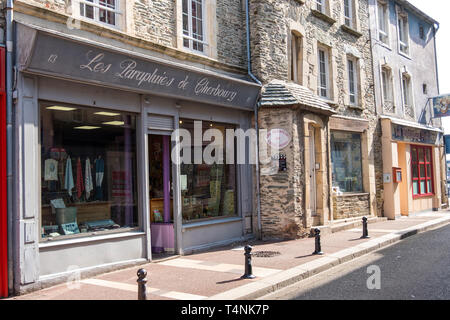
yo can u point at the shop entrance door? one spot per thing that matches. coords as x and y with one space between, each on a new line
161 195
312 172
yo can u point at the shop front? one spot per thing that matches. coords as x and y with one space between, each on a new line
412 162
101 181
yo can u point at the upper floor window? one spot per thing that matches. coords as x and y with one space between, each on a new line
403 34
193 25
387 87
383 22
324 73
407 95
321 6
296 59
352 81
104 11
348 13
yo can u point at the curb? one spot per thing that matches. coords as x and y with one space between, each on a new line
285 278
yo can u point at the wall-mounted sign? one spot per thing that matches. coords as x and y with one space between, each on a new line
414 135
447 144
278 138
441 106
282 162
82 62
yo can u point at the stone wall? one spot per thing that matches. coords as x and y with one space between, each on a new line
351 206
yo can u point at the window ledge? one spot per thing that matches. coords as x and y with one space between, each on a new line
91 238
420 196
351 31
322 16
191 225
404 55
352 194
356 107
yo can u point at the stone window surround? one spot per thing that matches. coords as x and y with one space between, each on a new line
298 30
355 125
326 14
356 25
384 64
209 28
360 83
121 17
332 53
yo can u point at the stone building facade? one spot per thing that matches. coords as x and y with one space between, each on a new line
314 59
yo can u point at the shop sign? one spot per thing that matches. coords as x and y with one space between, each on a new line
441 106
82 62
414 135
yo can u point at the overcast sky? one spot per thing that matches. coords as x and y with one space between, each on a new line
439 10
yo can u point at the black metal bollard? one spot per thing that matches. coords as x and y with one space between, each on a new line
365 230
142 284
248 263
318 247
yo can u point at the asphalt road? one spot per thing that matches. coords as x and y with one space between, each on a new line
417 268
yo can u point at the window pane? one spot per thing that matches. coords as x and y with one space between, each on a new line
428 154
88 170
421 158
422 171
415 187
423 189
415 171
429 186
346 161
429 171
207 191
414 154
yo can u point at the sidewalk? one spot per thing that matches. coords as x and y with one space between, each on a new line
216 274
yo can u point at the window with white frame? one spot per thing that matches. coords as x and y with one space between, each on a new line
321 6
383 22
407 95
352 80
387 87
403 34
324 73
348 13
296 59
193 25
104 11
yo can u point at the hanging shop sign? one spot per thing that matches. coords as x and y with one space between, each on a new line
414 135
441 106
72 60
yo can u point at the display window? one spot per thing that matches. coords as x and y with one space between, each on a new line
208 191
88 171
346 162
422 171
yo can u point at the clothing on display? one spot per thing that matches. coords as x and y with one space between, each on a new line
68 177
80 184
51 170
89 186
99 175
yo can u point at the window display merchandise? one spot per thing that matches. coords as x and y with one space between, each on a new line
88 159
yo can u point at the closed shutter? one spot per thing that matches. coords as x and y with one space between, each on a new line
160 123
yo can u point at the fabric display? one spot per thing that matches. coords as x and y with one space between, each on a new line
68 177
99 175
80 183
89 186
51 170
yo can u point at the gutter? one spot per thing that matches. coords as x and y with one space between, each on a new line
249 70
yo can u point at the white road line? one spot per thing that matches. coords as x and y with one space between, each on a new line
218 267
134 288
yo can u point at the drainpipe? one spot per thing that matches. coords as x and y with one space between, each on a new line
249 70
9 132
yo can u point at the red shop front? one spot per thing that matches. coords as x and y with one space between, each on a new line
3 190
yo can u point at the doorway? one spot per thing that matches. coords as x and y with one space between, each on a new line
161 195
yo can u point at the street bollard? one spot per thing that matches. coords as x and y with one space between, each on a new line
318 248
142 284
365 230
248 263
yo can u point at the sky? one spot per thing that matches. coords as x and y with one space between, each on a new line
439 10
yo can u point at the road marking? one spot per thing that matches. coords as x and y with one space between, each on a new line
134 288
218 267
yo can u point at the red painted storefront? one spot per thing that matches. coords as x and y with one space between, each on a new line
3 191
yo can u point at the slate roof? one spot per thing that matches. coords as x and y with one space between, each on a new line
281 93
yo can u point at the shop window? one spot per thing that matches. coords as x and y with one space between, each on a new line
88 174
193 25
346 161
296 59
383 22
208 191
422 171
104 11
